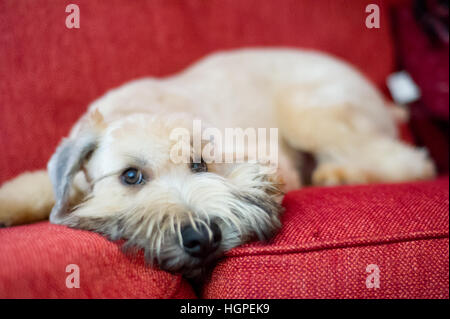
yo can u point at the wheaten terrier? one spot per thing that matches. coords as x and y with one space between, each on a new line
120 172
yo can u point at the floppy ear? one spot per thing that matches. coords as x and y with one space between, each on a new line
62 167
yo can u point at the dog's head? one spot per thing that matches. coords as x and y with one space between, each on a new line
183 214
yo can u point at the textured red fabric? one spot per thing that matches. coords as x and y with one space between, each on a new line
331 235
34 258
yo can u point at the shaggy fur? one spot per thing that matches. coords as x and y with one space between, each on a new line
322 107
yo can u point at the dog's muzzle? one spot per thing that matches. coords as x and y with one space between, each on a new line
201 242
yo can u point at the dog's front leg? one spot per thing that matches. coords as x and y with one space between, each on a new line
26 198
29 198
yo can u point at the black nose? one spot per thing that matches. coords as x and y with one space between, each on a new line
200 242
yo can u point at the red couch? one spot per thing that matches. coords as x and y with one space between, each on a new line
330 235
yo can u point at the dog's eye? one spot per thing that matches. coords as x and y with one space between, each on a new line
132 176
199 167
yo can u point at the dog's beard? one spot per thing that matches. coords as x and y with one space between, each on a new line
244 204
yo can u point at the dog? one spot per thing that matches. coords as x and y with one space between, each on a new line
115 173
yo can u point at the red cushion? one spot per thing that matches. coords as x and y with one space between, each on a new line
34 258
331 235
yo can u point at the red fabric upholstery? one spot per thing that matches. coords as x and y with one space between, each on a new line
331 235
50 74
34 260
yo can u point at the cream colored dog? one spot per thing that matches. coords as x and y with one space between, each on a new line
114 173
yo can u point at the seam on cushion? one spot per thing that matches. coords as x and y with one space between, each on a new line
351 242
176 288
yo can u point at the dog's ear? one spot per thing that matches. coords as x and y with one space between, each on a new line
62 167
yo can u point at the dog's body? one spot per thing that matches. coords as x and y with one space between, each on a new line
320 105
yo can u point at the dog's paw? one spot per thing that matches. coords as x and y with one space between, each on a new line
330 174
7 213
26 198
